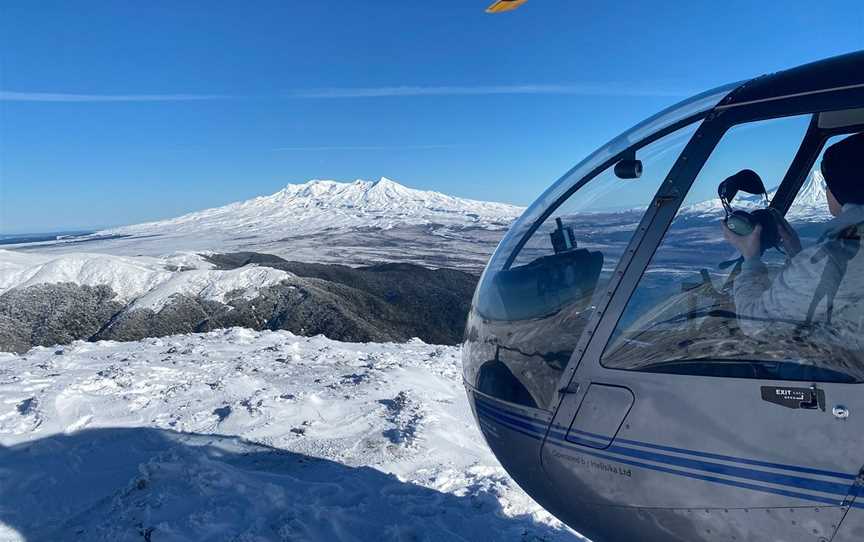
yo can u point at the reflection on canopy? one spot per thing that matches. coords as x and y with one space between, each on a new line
537 294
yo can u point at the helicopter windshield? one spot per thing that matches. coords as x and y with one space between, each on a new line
570 181
536 293
699 310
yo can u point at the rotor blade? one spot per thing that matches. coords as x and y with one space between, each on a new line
500 6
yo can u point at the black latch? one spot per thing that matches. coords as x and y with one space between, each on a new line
807 398
660 201
569 389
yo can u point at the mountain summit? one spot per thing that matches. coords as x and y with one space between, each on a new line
324 205
811 203
356 223
385 196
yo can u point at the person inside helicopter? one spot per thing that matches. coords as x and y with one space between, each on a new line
820 286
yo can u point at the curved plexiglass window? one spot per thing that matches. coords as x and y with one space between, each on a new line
536 296
691 107
699 310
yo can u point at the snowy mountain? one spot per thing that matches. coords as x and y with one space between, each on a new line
354 223
809 205
243 435
318 206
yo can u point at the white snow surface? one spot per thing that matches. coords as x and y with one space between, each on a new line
250 436
321 205
148 281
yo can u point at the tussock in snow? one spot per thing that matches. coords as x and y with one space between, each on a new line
243 435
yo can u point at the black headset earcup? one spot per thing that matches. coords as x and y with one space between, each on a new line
768 218
740 223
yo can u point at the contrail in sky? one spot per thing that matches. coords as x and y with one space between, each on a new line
367 148
579 89
573 89
13 96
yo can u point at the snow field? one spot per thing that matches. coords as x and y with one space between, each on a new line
248 436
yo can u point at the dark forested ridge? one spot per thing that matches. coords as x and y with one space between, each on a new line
386 302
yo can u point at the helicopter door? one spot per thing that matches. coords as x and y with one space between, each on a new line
707 385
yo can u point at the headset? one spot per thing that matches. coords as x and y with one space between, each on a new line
743 222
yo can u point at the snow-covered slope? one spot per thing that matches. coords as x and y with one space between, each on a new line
811 203
354 223
148 282
319 205
241 435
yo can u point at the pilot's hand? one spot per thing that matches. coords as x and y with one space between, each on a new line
750 246
789 237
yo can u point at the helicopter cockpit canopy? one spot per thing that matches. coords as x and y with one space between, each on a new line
635 351
552 269
537 291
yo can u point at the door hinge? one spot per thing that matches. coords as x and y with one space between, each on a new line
569 389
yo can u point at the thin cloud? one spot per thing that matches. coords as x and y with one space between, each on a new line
574 89
13 96
580 89
367 148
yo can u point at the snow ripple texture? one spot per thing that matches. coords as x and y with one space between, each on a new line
250 436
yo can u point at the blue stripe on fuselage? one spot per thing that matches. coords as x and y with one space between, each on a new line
537 430
560 432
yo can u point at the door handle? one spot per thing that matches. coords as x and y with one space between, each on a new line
817 399
811 398
811 402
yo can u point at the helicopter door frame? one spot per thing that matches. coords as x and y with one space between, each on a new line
809 150
657 219
650 232
811 147
591 175
585 360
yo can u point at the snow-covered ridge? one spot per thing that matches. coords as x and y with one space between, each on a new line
146 282
320 205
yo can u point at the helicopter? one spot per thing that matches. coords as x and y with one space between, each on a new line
610 363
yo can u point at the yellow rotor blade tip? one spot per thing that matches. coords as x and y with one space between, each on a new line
500 6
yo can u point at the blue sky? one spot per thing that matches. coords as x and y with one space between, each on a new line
119 112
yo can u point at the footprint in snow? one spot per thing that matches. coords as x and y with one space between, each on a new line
406 417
